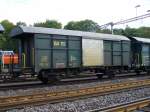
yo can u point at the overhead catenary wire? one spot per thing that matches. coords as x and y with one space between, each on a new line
124 21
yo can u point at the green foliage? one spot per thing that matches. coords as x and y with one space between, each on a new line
6 42
130 32
84 25
72 25
135 32
49 24
143 32
21 23
107 31
119 32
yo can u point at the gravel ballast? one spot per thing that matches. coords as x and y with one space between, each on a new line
85 105
57 88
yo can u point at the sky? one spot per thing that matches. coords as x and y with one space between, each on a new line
100 11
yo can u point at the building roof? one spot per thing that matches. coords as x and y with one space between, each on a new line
39 30
1 28
143 40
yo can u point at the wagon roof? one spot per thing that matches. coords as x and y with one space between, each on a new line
143 40
1 28
40 30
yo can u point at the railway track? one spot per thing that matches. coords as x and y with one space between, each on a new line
128 107
37 84
53 97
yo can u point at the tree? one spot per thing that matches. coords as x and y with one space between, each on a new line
107 31
72 25
143 32
49 24
21 23
131 32
119 31
6 42
84 25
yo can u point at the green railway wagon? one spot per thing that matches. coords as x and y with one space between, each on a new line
54 53
141 52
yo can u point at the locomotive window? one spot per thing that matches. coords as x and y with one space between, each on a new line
116 46
58 44
107 46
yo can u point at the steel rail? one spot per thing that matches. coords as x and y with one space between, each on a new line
15 101
128 107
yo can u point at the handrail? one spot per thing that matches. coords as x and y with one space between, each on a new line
24 59
33 61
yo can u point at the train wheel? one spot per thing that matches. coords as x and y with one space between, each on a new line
148 72
111 74
99 75
45 80
42 76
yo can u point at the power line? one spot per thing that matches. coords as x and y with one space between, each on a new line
124 21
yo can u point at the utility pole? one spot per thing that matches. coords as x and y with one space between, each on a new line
136 7
111 26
